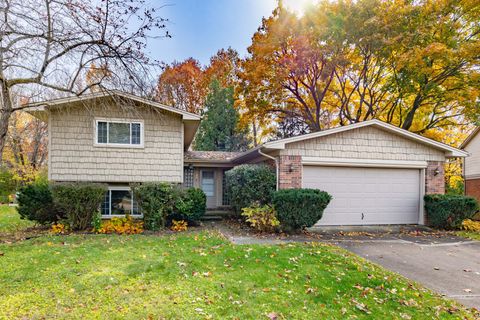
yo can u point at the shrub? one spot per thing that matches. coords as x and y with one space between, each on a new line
248 184
157 202
191 206
125 225
262 218
470 225
35 203
180 225
300 208
79 202
199 201
448 211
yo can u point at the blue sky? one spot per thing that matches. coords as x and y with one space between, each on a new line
201 27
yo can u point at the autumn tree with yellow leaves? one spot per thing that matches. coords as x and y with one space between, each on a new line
412 64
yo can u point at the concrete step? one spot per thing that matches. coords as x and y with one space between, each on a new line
212 218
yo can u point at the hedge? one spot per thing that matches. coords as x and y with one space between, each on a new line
448 211
162 202
79 202
248 184
300 208
35 203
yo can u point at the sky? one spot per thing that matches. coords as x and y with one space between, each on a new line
199 28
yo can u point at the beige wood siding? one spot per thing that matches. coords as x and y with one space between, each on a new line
364 143
472 163
73 156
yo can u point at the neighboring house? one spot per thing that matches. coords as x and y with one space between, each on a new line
376 172
471 168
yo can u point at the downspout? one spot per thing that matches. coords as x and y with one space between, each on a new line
272 158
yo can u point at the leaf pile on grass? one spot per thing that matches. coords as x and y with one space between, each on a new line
201 276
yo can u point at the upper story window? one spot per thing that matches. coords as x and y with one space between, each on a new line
119 133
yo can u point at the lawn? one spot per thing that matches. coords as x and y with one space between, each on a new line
469 234
10 221
199 275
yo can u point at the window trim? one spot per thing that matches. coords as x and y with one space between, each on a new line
109 216
119 145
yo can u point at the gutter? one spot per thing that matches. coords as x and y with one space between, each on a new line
272 158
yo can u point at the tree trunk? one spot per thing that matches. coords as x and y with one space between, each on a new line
6 110
411 114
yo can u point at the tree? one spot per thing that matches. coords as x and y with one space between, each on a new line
47 46
26 149
433 63
181 85
219 129
412 64
185 85
223 67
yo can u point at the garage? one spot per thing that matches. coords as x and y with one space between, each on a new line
367 196
377 173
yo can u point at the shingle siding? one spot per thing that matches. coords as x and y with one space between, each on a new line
73 156
472 163
364 143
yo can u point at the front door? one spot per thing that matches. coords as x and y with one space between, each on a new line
208 186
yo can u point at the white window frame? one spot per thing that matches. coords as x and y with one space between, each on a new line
109 216
118 145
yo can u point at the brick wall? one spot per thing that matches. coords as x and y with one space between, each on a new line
290 172
435 183
472 188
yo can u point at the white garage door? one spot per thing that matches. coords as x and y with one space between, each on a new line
366 195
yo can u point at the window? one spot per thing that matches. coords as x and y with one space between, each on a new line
119 133
119 201
208 183
188 177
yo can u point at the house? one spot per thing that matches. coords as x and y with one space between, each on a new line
376 172
471 168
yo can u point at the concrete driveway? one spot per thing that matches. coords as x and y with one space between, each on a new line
449 266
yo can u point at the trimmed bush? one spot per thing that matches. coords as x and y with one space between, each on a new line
157 202
79 202
162 202
248 184
35 203
299 208
198 200
448 211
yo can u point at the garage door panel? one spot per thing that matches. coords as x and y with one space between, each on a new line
367 195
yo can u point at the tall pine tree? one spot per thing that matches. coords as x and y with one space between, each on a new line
219 128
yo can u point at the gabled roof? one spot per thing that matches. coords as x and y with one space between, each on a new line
40 106
470 138
280 144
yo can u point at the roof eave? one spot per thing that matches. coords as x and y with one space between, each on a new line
470 138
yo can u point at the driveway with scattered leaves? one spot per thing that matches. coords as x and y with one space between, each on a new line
450 265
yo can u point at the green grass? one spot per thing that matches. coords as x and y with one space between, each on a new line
469 234
10 221
201 276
